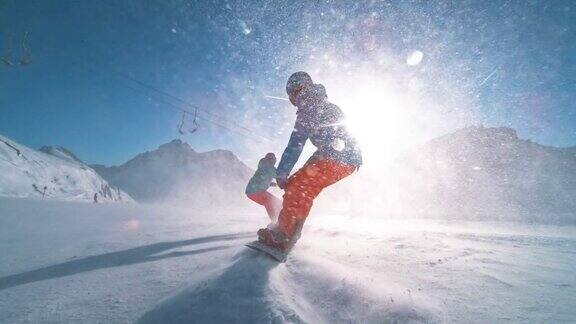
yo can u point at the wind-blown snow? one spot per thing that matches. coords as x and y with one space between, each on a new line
52 173
491 173
475 173
130 263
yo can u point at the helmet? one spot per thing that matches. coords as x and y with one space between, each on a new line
298 81
270 157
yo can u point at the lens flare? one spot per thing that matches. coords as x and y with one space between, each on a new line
414 58
132 224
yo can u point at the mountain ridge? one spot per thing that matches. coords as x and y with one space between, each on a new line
175 172
487 171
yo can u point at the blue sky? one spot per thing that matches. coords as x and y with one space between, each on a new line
513 63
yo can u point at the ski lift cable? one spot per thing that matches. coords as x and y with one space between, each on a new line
173 106
195 107
198 109
182 101
180 109
176 107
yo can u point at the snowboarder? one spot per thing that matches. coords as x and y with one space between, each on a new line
96 198
257 188
337 156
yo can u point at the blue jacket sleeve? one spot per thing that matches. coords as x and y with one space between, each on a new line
292 152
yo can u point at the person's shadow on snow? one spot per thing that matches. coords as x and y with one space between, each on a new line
116 259
240 294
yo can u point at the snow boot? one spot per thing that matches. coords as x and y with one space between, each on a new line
276 239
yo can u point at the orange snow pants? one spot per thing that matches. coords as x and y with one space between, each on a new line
269 201
305 185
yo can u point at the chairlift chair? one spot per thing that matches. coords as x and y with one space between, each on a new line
182 129
6 58
194 122
26 58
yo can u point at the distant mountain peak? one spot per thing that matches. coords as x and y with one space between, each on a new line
225 154
502 132
472 135
176 144
489 171
175 172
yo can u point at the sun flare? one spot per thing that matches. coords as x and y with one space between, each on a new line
378 116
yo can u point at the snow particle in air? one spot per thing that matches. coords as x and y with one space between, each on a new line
415 84
338 144
246 30
414 58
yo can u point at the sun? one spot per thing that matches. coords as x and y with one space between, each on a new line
378 117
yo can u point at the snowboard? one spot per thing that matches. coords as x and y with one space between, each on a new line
274 253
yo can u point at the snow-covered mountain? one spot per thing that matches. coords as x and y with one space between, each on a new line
176 173
50 173
489 172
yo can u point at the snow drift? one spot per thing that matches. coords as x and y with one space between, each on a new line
256 289
133 262
51 173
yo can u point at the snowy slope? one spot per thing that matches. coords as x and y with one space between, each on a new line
134 263
176 173
53 173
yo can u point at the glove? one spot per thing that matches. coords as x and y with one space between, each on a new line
281 182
